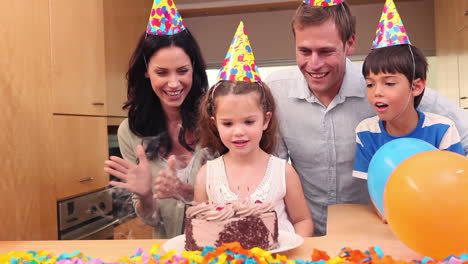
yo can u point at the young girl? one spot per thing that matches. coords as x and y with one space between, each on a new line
238 121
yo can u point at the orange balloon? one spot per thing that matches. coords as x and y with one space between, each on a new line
426 202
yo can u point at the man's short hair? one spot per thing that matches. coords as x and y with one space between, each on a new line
307 15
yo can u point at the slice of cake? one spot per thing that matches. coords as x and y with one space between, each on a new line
252 224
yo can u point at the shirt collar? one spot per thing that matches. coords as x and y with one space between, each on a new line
353 84
301 89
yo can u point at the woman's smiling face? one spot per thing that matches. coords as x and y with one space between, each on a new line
171 74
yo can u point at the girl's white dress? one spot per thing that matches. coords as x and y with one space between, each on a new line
272 187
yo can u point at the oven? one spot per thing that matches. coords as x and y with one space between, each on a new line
89 216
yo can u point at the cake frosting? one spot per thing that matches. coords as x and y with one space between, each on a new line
252 224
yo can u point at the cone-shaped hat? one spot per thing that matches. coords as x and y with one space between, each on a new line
239 63
323 2
390 31
164 19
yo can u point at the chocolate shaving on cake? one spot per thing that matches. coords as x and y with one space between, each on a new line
250 232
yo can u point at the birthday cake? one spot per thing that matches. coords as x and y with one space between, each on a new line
251 224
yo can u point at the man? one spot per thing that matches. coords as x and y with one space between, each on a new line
321 102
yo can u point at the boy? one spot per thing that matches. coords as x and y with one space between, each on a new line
395 73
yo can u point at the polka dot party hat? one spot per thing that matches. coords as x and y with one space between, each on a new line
390 31
164 19
239 63
323 2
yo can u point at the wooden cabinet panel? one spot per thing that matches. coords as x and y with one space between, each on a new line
461 14
77 55
80 150
464 104
133 229
451 48
463 67
27 187
446 50
124 22
447 76
91 45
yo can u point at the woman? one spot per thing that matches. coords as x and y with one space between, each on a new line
166 79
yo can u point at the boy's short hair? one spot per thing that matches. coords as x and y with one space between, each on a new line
397 59
307 15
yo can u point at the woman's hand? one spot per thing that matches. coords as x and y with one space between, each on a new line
168 185
135 178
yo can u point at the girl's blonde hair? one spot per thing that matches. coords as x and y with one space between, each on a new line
208 133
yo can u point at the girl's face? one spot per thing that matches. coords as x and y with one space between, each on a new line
171 73
240 121
390 94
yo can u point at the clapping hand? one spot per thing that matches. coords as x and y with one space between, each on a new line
135 177
168 185
167 182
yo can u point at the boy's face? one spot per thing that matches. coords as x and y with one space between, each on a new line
391 96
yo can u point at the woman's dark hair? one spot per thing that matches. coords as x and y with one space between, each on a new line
145 114
307 15
209 136
398 59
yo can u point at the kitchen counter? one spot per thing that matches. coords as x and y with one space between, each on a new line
350 225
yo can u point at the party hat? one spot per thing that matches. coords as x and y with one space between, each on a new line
390 31
164 19
323 2
239 63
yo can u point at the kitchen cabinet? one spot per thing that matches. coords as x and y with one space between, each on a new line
27 194
124 22
77 57
463 69
80 150
133 229
91 45
462 14
451 18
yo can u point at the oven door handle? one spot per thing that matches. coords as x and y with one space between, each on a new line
98 230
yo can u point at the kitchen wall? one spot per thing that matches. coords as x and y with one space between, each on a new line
272 40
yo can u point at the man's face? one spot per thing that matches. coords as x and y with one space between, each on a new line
321 57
